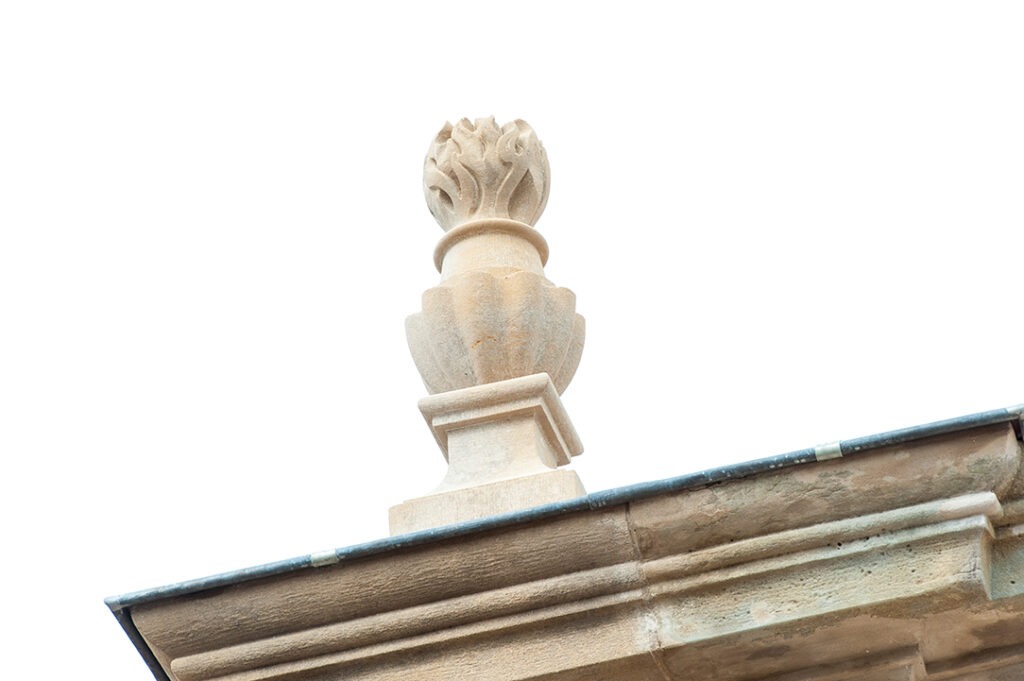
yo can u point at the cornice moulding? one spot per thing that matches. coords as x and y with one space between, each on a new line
660 585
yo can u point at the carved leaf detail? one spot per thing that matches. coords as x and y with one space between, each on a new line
477 170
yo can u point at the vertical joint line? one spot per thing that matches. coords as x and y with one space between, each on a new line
832 450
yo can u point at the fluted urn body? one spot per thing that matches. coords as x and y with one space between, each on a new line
494 316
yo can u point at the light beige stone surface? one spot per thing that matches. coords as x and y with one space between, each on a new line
493 320
500 497
487 325
480 170
455 417
905 563
503 441
494 316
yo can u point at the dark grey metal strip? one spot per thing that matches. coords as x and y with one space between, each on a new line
895 437
125 619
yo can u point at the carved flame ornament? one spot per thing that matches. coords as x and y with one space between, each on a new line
476 170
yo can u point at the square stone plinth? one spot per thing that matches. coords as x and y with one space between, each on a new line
504 442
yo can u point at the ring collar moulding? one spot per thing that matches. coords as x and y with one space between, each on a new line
496 343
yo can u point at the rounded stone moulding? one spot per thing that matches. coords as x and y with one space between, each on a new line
491 243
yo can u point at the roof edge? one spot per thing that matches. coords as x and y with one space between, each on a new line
597 500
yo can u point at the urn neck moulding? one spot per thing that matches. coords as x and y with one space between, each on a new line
496 342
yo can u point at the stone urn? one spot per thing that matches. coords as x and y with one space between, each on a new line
494 316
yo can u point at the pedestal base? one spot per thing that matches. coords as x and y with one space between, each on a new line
503 442
470 503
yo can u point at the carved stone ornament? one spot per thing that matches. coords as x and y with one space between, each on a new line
494 315
478 170
496 342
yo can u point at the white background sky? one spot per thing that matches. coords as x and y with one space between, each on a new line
786 223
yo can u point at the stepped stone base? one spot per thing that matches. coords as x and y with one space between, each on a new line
504 442
470 503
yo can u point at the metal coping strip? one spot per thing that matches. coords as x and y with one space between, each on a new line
124 618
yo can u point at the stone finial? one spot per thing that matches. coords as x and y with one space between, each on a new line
478 170
496 342
494 316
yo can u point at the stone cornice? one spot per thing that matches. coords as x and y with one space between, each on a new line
875 549
862 446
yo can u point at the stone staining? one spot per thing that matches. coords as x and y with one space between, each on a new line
496 342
